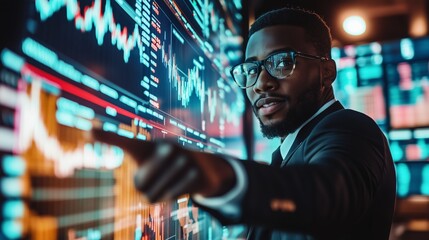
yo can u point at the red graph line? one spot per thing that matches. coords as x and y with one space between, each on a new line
65 86
92 16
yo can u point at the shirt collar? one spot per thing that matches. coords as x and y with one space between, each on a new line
290 138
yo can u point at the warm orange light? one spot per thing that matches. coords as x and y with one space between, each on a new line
418 27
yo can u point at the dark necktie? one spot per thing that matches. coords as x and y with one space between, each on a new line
276 158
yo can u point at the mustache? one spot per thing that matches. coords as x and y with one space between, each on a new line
286 98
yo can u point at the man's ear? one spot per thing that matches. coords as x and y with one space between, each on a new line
329 72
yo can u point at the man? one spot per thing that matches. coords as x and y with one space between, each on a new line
331 178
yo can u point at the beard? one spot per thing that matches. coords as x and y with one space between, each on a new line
305 107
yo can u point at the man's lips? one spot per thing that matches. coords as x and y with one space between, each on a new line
269 105
268 101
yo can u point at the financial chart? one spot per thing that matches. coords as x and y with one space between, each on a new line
142 69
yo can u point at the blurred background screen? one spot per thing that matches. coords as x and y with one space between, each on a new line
142 69
389 81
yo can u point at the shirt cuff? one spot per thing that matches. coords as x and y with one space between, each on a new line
229 203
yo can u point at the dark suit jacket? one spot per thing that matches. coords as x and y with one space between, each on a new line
338 175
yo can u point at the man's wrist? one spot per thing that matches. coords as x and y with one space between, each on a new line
228 203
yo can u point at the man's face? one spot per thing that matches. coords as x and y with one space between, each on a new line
283 105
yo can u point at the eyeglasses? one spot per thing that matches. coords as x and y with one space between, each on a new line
279 65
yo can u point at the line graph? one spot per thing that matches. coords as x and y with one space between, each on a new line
187 83
193 80
103 23
32 129
80 64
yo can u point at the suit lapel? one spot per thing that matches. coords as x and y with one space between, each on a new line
305 131
277 161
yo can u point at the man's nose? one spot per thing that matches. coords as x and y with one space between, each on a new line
265 82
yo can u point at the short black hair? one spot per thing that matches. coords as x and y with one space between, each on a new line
315 27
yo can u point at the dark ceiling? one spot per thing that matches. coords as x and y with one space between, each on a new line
387 19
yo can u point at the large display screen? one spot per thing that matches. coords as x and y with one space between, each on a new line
143 69
360 80
390 83
407 74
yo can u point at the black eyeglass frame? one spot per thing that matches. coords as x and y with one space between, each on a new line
261 64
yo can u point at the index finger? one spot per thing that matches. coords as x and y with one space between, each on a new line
131 145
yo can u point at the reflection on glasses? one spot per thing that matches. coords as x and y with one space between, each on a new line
279 65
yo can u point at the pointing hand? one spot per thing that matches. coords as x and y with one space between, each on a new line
166 170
